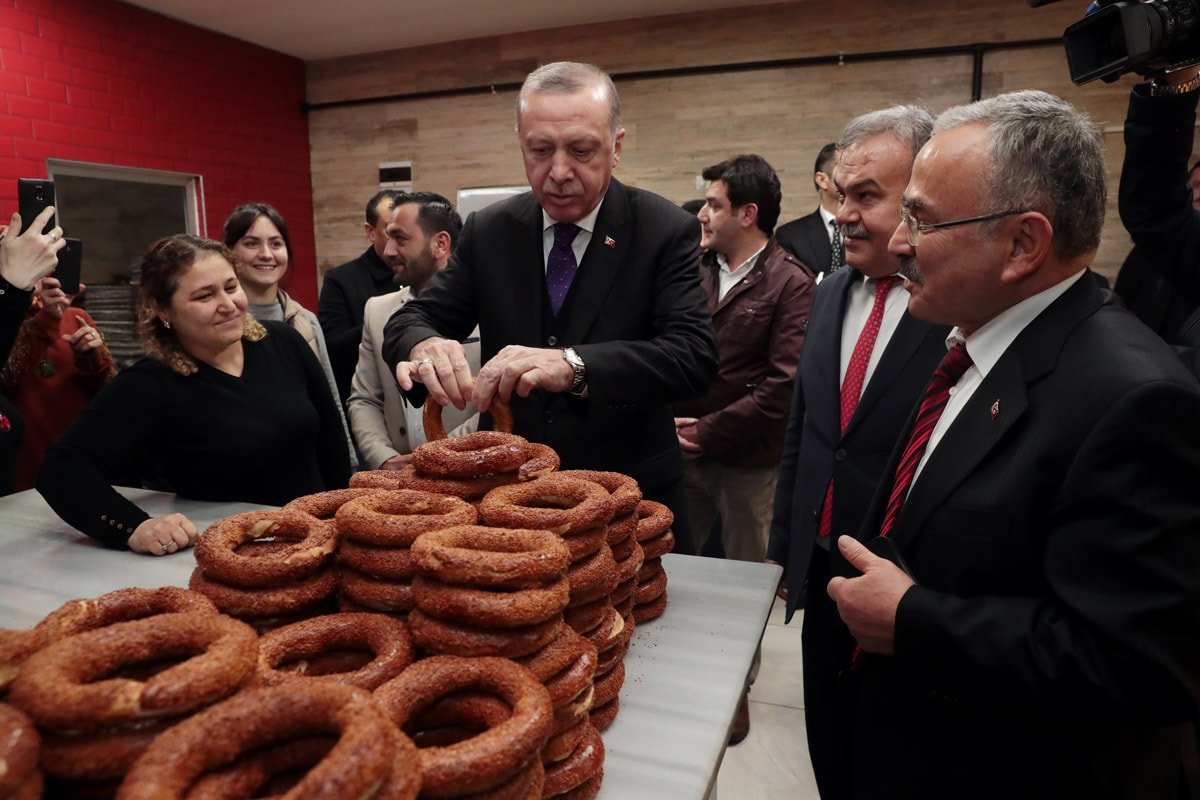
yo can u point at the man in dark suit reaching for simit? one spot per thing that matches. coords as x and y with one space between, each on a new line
586 292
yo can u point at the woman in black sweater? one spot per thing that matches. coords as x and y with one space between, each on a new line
224 409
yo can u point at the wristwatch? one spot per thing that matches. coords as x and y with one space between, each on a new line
578 385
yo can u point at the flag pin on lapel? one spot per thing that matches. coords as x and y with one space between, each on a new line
995 409
610 242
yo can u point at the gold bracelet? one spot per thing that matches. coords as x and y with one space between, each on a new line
1166 89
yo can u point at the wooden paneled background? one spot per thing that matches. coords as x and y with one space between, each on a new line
677 125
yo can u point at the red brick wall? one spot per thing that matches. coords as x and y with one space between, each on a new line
108 83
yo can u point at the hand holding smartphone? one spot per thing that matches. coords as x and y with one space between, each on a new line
70 265
27 255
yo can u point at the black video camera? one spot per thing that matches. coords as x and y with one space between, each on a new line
1118 37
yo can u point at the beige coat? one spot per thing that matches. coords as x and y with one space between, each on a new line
377 412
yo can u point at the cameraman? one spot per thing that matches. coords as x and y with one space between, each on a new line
1155 201
1156 205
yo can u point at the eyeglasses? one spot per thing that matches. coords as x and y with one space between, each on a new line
915 228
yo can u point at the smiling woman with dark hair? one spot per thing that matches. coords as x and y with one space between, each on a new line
225 408
257 235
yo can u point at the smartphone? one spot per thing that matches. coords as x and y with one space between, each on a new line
33 195
70 265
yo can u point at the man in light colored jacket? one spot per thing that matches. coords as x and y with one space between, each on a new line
422 231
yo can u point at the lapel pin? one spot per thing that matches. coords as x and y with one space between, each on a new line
610 242
995 409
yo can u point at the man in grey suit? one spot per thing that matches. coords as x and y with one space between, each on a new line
814 238
587 297
422 230
864 364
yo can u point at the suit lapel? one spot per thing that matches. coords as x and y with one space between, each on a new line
602 260
826 335
972 436
995 407
529 272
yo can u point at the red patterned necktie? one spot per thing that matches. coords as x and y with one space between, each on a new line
561 266
933 402
856 373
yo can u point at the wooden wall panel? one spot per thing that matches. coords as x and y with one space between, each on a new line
801 29
668 144
678 125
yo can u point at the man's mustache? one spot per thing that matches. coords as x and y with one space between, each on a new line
569 189
857 231
910 270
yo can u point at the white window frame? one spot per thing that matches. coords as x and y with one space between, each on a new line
193 185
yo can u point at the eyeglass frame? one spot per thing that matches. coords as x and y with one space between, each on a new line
915 227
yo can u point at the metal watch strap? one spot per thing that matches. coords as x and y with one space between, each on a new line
579 383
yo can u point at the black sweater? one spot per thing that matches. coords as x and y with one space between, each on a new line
266 437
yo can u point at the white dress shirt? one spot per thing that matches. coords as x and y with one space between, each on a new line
728 278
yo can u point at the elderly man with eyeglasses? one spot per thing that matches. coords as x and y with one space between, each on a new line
1025 590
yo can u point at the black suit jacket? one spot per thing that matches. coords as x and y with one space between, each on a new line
815 450
635 313
808 239
344 293
1051 647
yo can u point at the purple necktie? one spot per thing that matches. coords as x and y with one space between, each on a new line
561 266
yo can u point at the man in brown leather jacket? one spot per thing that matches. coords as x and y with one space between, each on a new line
759 295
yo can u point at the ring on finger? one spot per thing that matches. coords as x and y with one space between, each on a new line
424 361
53 237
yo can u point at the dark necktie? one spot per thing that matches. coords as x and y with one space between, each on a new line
561 265
852 385
836 257
933 402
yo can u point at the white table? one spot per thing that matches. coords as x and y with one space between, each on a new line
684 671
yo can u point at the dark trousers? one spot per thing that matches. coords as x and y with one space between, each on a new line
671 495
829 685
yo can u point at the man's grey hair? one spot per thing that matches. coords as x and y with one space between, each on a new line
911 124
568 77
1043 155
